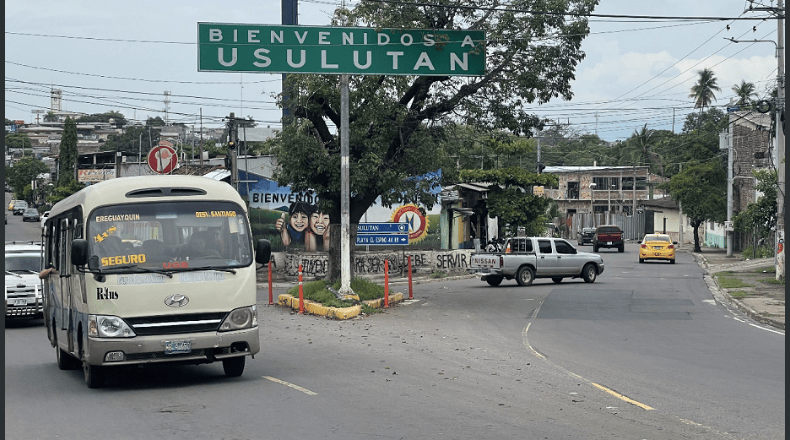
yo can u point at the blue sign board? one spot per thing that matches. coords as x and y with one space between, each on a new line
382 239
383 228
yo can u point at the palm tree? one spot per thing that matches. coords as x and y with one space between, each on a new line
642 138
702 91
744 92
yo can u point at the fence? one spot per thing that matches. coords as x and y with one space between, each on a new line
633 226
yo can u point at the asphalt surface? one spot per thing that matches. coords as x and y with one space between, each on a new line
759 298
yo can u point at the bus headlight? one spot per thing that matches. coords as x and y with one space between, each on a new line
241 318
108 327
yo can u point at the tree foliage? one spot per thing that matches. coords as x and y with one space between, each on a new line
399 125
67 163
702 92
701 189
131 139
23 172
118 119
18 141
760 216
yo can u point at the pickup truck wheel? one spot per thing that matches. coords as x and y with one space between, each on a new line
493 281
589 273
525 276
595 248
621 249
557 280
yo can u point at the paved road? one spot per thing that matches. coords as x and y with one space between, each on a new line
644 352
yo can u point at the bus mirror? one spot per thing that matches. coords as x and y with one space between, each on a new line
263 251
79 252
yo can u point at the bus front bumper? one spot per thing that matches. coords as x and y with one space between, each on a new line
196 348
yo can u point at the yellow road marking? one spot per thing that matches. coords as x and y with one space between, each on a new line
290 385
621 397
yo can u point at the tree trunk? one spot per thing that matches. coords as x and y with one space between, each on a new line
696 237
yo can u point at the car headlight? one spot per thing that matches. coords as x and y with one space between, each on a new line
108 327
241 318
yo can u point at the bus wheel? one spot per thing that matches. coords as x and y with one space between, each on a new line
94 375
233 366
65 360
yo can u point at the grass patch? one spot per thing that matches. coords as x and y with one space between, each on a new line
766 269
724 273
739 294
773 281
731 283
318 291
438 274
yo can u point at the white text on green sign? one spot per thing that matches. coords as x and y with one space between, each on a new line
339 50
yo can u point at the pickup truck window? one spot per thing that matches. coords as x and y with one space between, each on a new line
544 246
563 247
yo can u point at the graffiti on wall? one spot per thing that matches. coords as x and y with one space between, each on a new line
316 265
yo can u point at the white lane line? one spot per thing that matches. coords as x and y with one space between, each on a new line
290 385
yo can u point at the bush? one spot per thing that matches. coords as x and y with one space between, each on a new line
761 252
318 291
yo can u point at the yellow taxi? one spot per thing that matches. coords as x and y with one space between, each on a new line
657 247
11 205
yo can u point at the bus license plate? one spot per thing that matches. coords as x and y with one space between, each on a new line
20 302
178 347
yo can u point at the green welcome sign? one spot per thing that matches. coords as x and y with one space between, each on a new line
339 50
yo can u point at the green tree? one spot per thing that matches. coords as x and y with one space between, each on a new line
23 172
745 92
50 117
760 216
399 124
18 141
701 188
702 90
60 192
117 118
131 139
510 197
67 166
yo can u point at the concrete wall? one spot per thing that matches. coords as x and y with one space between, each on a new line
316 265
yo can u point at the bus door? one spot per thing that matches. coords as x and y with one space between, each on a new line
65 236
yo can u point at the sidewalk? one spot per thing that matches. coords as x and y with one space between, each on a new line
750 285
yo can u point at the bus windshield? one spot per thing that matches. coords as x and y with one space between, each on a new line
168 236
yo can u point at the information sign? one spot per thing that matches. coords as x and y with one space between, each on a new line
382 239
383 228
224 47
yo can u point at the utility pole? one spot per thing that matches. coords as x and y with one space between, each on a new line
233 137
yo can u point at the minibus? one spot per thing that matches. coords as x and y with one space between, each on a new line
141 270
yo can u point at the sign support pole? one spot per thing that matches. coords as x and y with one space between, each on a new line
345 232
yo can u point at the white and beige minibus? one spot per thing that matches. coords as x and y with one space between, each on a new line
151 269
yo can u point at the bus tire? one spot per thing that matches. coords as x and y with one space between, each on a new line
234 366
94 375
65 360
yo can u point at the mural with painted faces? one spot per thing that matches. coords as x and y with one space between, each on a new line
317 238
293 233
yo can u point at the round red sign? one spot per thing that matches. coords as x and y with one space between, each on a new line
162 159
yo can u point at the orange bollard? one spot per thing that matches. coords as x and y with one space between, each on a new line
410 292
271 300
301 292
386 284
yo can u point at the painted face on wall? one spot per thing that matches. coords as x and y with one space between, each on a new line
319 222
299 221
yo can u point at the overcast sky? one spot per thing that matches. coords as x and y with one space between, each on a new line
123 56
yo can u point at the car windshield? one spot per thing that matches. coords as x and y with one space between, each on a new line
169 236
31 211
22 263
657 238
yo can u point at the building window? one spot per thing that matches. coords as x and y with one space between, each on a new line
628 183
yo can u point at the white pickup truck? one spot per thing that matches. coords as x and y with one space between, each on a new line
527 258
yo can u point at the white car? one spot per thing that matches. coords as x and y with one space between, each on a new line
23 288
44 218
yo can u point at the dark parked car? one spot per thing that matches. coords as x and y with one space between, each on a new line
31 214
608 236
585 236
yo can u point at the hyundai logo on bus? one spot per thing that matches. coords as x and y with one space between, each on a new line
177 300
339 50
